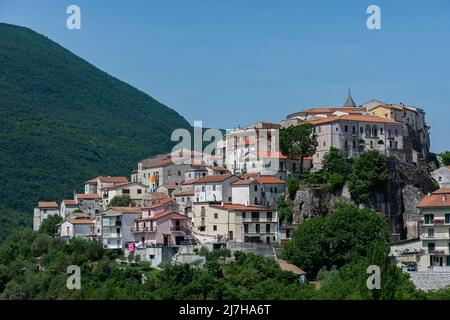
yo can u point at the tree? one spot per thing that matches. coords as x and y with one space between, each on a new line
368 176
298 141
445 158
335 240
50 225
120 201
336 167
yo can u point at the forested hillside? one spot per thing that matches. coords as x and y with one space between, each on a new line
63 121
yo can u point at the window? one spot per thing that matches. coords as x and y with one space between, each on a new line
429 218
256 187
216 215
203 188
381 130
354 130
431 247
346 128
431 233
269 216
447 218
337 129
179 173
139 191
246 228
126 191
257 228
256 200
268 228
243 215
255 215
324 144
214 187
214 228
354 144
361 130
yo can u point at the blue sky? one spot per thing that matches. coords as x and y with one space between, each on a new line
234 62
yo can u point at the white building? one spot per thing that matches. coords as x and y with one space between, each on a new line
133 190
94 185
435 228
442 176
67 207
261 190
356 134
78 228
214 188
43 211
116 226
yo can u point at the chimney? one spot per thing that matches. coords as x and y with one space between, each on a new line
221 203
444 198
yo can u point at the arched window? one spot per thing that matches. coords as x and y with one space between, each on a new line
380 142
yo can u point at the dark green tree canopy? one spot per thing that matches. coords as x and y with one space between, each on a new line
298 141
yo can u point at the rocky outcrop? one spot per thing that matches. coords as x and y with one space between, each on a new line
311 201
406 186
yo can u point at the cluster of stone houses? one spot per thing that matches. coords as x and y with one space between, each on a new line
230 195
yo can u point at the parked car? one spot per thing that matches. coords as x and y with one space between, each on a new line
411 267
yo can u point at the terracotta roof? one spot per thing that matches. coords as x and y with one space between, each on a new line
272 155
214 178
70 202
176 216
127 209
354 118
286 266
442 191
157 195
260 179
217 168
350 110
87 196
439 198
240 207
108 180
170 186
189 182
185 193
47 204
160 202
81 221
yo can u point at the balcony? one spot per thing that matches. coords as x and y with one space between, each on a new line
112 235
142 229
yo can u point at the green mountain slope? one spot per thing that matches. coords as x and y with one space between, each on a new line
63 121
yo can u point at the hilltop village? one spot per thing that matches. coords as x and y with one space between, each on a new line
164 209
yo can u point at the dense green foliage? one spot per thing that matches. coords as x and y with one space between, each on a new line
336 167
63 121
335 240
298 141
369 175
285 210
50 225
445 158
120 201
33 266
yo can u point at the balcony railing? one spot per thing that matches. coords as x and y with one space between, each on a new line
143 229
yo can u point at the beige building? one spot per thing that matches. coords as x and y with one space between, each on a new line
94 185
43 211
133 190
415 130
236 222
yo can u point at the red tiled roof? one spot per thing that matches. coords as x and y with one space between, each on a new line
260 179
286 266
108 180
189 182
240 207
439 198
87 196
185 193
214 178
127 209
47 204
70 202
354 118
81 221
176 216
170 186
442 191
160 202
